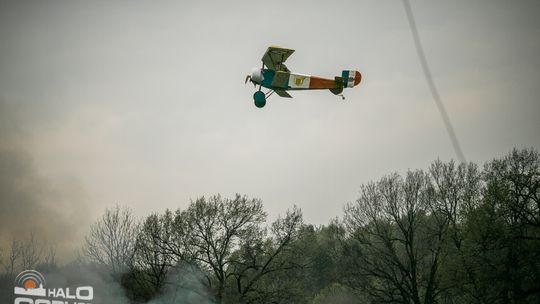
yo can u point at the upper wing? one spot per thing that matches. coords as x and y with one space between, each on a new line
275 57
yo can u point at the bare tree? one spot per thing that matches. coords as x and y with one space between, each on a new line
49 259
31 251
212 231
457 192
517 178
261 260
25 253
394 245
504 232
216 226
151 264
12 258
111 240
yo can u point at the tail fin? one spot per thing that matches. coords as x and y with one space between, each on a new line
351 78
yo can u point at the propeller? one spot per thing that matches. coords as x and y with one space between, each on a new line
248 78
256 77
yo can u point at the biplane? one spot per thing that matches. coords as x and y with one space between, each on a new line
275 76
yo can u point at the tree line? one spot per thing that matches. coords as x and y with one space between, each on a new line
453 233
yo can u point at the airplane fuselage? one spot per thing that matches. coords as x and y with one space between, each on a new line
281 80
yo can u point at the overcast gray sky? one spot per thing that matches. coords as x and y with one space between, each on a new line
142 103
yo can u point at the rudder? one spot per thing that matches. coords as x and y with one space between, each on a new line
350 78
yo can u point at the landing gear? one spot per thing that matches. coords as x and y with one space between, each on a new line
260 99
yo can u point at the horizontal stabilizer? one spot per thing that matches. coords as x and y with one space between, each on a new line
336 91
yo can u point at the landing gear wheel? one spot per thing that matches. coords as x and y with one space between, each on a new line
260 99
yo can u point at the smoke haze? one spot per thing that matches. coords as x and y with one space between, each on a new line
53 210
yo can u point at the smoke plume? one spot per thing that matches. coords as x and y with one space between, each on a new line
30 202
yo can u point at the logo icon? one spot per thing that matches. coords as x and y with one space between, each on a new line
30 289
299 80
30 283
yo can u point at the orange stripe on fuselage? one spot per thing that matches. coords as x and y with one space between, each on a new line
322 83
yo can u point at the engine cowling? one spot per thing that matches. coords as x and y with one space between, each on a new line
257 75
